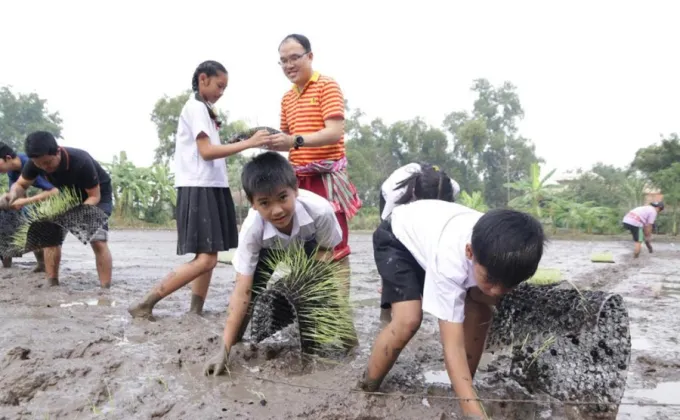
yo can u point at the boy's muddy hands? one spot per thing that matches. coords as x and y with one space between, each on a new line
217 365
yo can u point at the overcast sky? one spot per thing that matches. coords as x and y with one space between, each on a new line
597 79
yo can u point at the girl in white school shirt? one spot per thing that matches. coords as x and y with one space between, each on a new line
412 182
416 181
205 214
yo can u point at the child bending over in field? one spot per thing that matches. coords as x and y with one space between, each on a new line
640 222
412 182
281 216
453 263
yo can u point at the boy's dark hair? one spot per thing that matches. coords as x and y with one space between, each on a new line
300 39
41 143
6 150
430 183
509 245
210 68
266 172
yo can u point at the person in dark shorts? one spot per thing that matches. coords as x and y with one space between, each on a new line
68 167
412 182
281 216
205 212
454 263
12 164
640 222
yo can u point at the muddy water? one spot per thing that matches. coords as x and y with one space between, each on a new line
73 351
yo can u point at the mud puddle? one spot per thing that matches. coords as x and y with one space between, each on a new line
90 360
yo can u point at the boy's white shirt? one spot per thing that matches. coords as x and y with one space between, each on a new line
314 219
435 232
191 170
391 195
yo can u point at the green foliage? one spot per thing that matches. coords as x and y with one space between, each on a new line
474 201
21 114
142 193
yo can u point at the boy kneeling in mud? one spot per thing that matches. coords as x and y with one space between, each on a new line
454 263
281 216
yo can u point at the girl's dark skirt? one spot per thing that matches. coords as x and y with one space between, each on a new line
206 220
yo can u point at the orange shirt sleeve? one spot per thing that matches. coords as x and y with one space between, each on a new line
332 101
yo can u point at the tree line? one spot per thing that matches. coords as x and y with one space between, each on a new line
481 148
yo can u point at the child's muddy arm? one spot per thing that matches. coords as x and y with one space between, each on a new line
455 359
238 308
236 314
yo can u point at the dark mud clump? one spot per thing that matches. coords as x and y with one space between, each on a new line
570 345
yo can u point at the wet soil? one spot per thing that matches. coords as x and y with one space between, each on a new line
73 351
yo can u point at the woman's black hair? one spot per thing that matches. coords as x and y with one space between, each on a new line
210 68
430 183
300 39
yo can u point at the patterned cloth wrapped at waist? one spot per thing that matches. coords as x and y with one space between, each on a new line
341 192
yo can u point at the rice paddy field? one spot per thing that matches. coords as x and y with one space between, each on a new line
73 352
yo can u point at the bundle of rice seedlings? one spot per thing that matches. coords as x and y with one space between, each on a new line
245 135
46 223
602 257
545 277
309 293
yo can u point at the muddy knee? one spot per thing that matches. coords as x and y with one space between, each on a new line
404 327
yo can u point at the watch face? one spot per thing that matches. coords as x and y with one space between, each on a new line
299 140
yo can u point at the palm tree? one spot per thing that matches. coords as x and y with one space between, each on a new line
534 192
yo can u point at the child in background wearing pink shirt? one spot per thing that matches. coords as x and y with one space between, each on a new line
639 222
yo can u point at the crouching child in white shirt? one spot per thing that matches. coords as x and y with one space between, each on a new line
281 216
454 263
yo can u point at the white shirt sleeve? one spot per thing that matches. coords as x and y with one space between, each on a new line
198 119
447 270
249 245
328 230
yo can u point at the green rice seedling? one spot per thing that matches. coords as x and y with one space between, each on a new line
45 211
316 295
545 277
602 257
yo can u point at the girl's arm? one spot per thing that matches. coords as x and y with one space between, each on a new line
209 151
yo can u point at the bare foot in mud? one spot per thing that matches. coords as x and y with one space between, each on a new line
53 282
217 364
39 269
7 262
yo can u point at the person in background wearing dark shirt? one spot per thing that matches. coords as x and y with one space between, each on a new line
11 163
68 167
